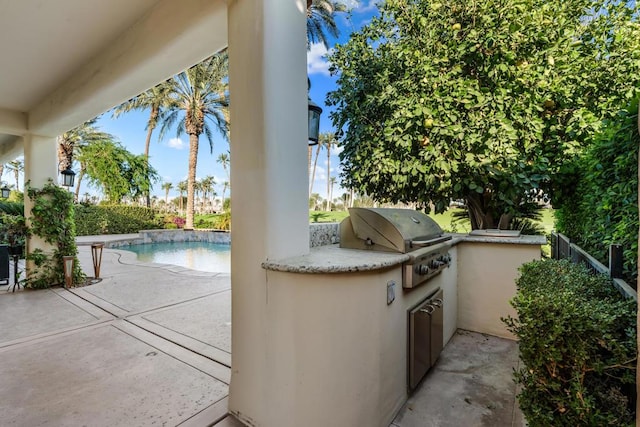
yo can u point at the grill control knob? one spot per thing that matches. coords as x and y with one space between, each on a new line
423 269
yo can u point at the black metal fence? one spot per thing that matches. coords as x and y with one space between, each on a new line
561 247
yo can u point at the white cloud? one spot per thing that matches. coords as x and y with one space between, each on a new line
316 60
350 4
363 6
337 150
176 143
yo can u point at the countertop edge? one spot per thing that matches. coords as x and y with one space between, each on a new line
331 259
520 240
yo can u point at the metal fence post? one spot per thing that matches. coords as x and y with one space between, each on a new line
615 261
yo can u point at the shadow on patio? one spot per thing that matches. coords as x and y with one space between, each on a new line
151 344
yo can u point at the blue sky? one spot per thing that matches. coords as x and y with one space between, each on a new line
170 155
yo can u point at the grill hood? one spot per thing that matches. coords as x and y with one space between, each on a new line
389 230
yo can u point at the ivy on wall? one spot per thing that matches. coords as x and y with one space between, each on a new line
52 220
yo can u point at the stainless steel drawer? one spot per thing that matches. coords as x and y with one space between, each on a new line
425 337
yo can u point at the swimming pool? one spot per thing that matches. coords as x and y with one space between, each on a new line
201 256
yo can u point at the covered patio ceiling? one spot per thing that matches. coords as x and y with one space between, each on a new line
66 61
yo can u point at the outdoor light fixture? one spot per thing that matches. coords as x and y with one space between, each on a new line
68 270
68 176
314 122
96 256
5 192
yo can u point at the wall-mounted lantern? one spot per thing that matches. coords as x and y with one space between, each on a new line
314 122
68 176
5 192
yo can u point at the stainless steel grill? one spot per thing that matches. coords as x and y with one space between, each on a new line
401 231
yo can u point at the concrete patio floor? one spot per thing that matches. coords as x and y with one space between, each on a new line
151 345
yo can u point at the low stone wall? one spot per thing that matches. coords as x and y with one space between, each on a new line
323 234
169 236
319 235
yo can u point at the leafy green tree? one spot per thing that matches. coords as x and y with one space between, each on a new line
73 142
481 101
199 106
157 100
116 171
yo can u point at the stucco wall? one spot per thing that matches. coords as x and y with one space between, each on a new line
486 282
336 351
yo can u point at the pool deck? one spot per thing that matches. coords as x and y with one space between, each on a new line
150 344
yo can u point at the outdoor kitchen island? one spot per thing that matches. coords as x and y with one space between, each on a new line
337 323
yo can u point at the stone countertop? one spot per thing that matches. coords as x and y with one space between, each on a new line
520 240
333 259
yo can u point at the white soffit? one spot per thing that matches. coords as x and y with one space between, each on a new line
66 61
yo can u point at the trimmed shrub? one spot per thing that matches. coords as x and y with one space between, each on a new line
114 219
12 208
577 340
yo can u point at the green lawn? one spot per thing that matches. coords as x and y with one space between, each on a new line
445 220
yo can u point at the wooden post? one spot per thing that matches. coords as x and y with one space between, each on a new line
615 261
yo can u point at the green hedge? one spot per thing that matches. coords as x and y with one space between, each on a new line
12 208
597 200
577 341
114 219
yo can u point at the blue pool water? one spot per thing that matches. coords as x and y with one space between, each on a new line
201 256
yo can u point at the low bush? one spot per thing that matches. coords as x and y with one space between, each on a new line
114 219
577 340
12 208
221 221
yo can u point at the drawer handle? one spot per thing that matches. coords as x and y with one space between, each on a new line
428 309
437 302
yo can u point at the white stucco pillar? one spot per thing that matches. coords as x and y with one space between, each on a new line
268 88
40 165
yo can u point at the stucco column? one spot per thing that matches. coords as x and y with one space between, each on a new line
268 88
40 164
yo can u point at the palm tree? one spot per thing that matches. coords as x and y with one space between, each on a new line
224 160
315 164
182 188
199 101
167 186
320 18
332 181
16 166
207 183
328 139
157 100
225 185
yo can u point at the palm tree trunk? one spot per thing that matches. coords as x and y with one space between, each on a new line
328 147
191 179
78 182
309 151
313 174
153 116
